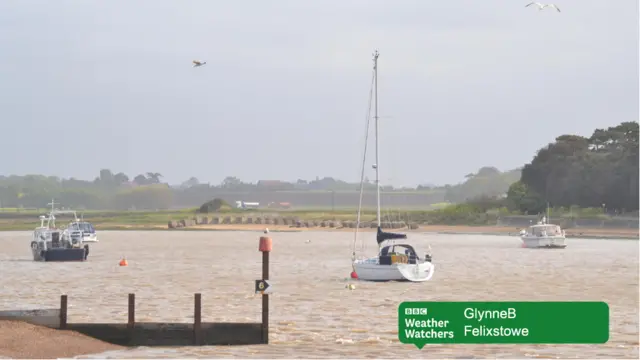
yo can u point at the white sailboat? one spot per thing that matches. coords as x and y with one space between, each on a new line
394 262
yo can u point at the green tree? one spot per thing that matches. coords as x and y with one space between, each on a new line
141 180
154 177
213 206
524 199
588 172
487 182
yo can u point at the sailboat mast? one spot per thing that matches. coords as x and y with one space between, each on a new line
375 116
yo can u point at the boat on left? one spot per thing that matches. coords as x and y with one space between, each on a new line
50 243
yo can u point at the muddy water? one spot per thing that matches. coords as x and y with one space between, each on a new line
313 315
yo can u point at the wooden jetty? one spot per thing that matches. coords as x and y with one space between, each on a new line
134 333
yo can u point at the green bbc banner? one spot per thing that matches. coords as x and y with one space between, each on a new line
527 322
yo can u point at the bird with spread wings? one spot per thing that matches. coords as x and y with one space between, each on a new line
197 63
543 6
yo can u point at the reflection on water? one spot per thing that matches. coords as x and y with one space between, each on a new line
312 314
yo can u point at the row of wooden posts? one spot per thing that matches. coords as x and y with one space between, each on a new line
197 319
157 334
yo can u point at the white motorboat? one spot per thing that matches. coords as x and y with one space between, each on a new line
80 229
394 262
543 236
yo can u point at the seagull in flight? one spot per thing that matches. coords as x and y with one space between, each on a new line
543 6
197 63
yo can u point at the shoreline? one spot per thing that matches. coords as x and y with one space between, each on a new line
584 233
51 343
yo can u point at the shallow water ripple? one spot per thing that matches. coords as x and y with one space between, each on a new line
313 315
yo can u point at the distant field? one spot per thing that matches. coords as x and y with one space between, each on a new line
26 219
22 219
382 193
25 212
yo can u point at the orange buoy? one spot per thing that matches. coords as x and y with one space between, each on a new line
123 262
354 275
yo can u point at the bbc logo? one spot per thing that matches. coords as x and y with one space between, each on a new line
415 311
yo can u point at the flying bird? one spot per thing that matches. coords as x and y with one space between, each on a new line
197 63
543 6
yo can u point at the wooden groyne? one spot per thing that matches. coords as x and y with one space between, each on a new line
393 222
292 222
133 333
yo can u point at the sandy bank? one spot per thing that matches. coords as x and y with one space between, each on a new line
20 340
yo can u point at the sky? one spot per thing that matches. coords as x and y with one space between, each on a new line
86 85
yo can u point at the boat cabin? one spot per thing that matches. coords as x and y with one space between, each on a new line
398 254
51 238
544 230
83 226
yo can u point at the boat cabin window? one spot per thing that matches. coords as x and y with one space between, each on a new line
549 230
397 249
84 226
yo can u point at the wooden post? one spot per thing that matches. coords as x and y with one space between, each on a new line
265 248
63 311
132 311
131 323
265 299
197 319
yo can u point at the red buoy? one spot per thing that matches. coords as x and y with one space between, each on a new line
354 275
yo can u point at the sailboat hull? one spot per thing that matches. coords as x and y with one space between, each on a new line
417 272
371 270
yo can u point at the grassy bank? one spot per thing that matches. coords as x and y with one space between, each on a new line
441 215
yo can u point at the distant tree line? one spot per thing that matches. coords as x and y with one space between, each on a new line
115 190
600 171
487 182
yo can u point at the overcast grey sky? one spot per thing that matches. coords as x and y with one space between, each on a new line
95 84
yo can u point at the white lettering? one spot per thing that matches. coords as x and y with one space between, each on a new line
415 311
468 313
501 331
429 323
473 313
428 334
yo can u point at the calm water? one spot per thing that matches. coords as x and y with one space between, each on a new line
312 314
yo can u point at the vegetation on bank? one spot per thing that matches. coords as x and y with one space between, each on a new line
146 192
474 213
596 172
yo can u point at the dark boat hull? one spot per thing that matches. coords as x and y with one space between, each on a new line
61 254
65 255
